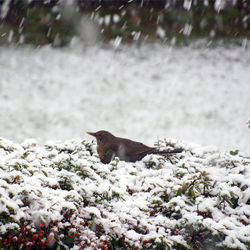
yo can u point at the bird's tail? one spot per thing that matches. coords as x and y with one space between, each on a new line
166 152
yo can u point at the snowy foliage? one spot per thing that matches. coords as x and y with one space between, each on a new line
61 194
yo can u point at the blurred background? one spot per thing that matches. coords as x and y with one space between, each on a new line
56 22
143 69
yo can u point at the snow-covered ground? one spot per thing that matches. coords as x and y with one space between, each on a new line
198 95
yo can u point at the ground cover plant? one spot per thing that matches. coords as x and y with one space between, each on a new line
61 195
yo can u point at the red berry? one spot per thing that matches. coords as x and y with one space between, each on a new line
41 233
152 213
35 236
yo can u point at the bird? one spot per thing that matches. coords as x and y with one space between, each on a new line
110 146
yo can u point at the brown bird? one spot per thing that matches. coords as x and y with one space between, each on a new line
110 146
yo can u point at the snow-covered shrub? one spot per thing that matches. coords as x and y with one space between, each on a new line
60 194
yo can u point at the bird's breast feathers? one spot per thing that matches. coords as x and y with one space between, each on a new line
121 152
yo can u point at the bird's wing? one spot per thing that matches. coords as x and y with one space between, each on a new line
108 157
138 148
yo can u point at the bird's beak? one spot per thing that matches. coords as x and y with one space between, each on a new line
91 133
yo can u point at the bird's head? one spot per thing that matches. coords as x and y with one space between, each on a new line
102 136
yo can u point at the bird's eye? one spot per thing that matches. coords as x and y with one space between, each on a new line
100 138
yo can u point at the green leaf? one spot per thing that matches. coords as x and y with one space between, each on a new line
235 152
45 173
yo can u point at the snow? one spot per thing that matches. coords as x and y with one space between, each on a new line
219 5
4 8
187 4
116 18
158 199
107 20
196 94
160 32
187 29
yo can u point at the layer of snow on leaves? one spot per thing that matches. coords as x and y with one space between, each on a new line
197 94
200 195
